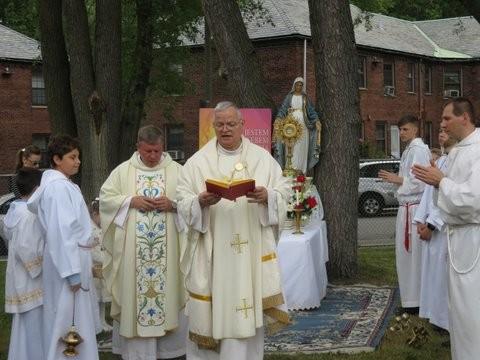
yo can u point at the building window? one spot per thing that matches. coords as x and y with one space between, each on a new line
428 133
427 80
174 141
38 88
362 72
452 82
389 78
381 136
411 77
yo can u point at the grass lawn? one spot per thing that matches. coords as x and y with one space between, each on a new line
376 266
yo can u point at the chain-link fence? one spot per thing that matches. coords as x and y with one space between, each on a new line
377 204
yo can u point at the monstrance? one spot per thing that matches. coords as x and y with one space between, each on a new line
287 130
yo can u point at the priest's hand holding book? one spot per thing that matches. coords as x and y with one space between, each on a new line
208 198
259 195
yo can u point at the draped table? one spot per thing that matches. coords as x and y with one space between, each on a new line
302 261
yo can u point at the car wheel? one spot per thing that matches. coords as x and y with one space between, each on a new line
371 204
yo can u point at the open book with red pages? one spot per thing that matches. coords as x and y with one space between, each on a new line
230 190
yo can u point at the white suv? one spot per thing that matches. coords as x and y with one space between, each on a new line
374 195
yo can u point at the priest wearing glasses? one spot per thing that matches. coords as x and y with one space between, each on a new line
229 260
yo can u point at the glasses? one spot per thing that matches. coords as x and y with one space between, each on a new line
228 125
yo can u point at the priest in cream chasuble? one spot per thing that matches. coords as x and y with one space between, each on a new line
229 260
141 240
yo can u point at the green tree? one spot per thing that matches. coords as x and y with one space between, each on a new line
20 15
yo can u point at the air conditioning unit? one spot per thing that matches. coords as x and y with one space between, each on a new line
176 154
451 93
389 90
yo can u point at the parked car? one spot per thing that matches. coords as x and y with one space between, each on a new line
374 195
5 201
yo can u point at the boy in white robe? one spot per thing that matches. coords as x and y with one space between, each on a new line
229 260
459 204
408 247
69 294
430 226
23 283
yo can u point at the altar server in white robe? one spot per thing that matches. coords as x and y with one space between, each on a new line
430 226
141 241
230 261
459 204
67 264
23 282
408 247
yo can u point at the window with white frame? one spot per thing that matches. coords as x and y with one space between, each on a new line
452 81
362 72
38 88
389 77
411 77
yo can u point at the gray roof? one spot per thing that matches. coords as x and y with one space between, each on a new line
436 38
456 34
16 46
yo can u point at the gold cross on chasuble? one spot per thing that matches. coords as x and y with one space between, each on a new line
244 308
237 244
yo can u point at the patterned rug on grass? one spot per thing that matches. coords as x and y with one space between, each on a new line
350 319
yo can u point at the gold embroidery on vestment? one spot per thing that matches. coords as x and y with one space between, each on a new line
200 297
25 298
244 308
237 244
268 257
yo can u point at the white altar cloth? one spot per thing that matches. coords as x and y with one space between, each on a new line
302 261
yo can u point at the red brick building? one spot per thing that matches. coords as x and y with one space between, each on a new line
404 67
23 112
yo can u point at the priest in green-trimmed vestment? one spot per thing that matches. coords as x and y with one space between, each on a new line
141 240
229 260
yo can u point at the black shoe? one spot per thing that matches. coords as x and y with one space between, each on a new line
439 330
412 310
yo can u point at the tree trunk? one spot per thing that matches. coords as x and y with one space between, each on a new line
236 52
133 110
56 70
92 130
108 71
336 175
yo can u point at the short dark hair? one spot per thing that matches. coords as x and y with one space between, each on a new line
61 145
409 119
462 105
150 134
27 179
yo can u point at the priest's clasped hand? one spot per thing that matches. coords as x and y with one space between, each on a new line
259 195
144 203
207 199
428 174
